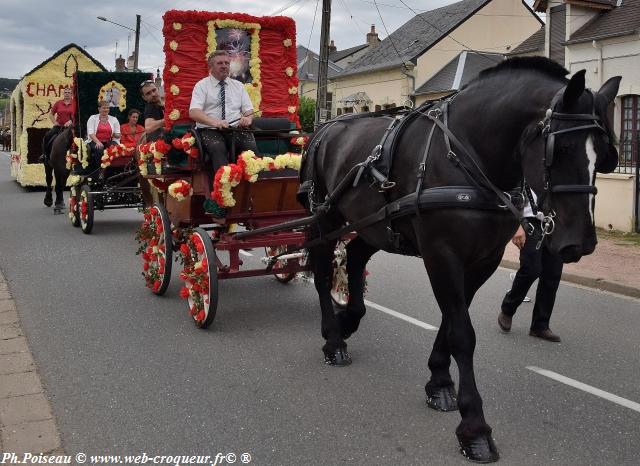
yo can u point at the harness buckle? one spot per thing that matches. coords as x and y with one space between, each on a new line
434 113
504 206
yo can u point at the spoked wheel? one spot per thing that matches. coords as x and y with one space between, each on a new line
85 208
200 275
281 277
339 282
157 248
74 206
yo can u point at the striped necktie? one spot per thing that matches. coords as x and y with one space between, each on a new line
222 98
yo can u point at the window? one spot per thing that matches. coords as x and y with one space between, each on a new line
630 133
329 102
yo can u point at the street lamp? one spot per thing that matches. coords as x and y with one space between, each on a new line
137 42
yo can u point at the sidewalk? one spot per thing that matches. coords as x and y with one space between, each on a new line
26 421
614 266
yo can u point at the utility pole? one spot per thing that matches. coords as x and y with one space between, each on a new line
136 49
323 65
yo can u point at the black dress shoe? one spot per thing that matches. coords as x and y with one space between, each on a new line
545 334
504 322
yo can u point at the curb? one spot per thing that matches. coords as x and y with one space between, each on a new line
597 283
26 420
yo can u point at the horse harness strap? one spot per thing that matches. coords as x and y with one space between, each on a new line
464 197
470 154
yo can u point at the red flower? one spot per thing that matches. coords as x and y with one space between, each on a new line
196 288
201 315
184 292
156 285
193 311
205 263
184 249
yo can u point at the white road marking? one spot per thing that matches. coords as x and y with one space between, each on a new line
245 253
397 314
587 388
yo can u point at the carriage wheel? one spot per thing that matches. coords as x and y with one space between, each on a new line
281 277
201 277
157 251
85 208
74 210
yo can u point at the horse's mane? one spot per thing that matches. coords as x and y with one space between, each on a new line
540 64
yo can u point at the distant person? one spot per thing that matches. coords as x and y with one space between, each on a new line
218 102
62 115
131 131
540 264
153 110
103 131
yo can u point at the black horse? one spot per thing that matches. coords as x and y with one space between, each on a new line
522 118
57 165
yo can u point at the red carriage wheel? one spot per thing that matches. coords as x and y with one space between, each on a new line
157 248
200 275
85 208
281 277
74 206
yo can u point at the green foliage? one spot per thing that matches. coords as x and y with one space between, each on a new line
307 112
7 85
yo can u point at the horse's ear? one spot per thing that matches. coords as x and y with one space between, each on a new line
574 89
609 90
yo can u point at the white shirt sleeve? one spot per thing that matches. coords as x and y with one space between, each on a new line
198 96
245 106
115 124
91 125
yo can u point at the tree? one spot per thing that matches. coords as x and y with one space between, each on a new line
307 113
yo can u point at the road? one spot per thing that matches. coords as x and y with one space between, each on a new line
127 372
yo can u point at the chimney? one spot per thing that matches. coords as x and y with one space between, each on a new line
332 47
130 62
120 63
372 37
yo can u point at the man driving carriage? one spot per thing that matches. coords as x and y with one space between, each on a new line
220 102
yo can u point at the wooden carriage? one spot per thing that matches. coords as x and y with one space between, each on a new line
192 218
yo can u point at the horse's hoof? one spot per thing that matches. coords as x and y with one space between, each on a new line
442 398
481 449
339 358
59 209
48 201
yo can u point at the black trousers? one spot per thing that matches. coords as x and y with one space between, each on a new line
95 154
222 147
535 264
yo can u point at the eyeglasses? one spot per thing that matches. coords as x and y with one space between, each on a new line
146 83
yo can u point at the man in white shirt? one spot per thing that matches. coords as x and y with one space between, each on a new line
218 102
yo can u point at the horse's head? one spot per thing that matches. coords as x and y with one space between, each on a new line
578 141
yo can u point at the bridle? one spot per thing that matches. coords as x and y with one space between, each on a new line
592 121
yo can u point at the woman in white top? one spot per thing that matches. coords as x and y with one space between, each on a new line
103 131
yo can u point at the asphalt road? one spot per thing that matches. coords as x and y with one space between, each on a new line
127 372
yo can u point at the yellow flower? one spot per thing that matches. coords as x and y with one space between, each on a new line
291 109
289 71
175 114
293 90
174 69
287 42
175 90
174 45
177 26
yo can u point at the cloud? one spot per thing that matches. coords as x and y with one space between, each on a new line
33 30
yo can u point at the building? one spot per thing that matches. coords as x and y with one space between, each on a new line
390 73
31 103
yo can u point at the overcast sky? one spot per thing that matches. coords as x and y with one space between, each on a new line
33 30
